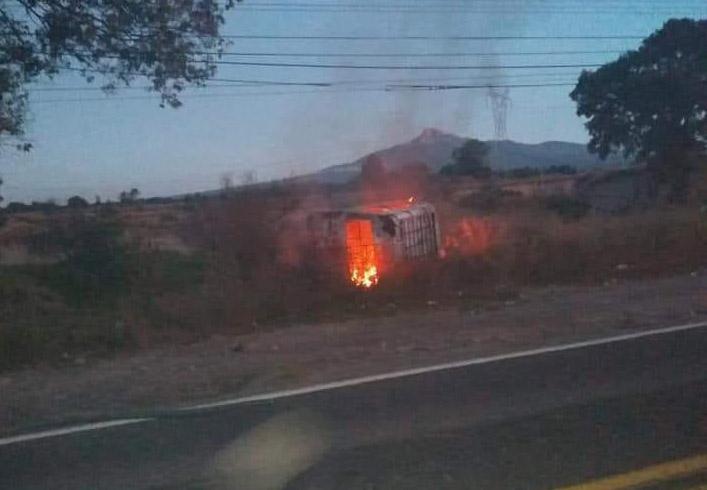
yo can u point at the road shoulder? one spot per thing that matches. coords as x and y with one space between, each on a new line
234 366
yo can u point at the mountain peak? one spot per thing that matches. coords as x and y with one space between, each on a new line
430 134
435 148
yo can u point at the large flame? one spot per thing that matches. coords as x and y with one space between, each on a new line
469 237
361 251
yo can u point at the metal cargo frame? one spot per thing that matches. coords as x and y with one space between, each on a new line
401 232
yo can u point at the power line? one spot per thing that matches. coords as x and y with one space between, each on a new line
232 83
488 11
416 83
403 67
441 3
391 89
445 4
486 86
453 54
287 37
249 83
510 7
227 80
405 55
370 67
428 37
492 78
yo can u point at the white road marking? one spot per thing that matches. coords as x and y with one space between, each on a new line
355 382
439 367
69 430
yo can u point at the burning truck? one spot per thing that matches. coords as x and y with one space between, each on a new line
365 241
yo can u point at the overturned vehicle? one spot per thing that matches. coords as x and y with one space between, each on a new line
363 242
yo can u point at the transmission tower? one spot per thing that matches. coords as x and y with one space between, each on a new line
500 100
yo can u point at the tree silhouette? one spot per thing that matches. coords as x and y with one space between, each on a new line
469 159
651 103
77 202
171 43
127 197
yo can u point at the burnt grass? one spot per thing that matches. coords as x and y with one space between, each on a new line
109 293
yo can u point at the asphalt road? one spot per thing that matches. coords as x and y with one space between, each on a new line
550 420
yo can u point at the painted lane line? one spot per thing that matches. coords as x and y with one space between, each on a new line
652 475
353 382
70 430
440 367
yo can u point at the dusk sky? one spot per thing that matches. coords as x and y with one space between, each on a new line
87 143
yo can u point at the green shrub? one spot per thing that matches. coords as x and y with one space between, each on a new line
94 261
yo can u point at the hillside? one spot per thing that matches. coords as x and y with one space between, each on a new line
434 148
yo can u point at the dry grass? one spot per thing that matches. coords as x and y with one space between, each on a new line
547 249
246 266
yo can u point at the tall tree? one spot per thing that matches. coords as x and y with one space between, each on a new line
172 43
651 103
469 159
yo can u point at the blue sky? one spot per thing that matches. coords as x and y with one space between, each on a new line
103 146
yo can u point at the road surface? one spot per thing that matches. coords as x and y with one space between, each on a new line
629 413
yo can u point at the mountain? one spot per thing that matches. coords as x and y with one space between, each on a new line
506 155
434 148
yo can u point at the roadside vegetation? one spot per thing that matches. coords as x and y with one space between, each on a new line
104 279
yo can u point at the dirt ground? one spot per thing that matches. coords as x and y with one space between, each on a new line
226 366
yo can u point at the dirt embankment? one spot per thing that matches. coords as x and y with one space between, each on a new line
226 366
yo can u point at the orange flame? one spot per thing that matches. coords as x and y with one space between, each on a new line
361 251
366 279
469 237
